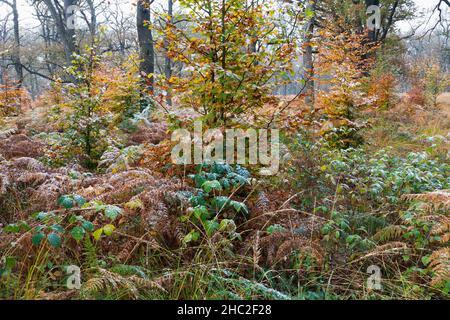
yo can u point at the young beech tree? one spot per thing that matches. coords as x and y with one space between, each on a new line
234 55
96 112
341 67
87 122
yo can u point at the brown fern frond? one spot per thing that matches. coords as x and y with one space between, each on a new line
262 204
179 233
93 285
142 283
111 281
125 253
116 160
445 238
440 264
392 248
437 199
279 246
441 227
4 183
389 233
256 251
19 145
32 178
270 244
26 163
8 133
153 132
164 281
300 245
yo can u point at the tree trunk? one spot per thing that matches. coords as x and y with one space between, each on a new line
168 61
16 53
372 34
92 24
145 42
15 56
308 63
67 33
70 45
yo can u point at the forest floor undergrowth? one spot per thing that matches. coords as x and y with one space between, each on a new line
139 227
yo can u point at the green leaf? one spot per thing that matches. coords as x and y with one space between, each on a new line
98 205
57 228
24 226
207 186
220 202
199 179
211 176
344 225
66 201
197 200
112 211
275 228
13 228
79 199
78 233
239 207
425 260
10 262
191 236
225 183
37 238
54 240
41 215
108 229
195 235
211 227
221 168
309 13
97 234
201 213
72 219
238 179
88 226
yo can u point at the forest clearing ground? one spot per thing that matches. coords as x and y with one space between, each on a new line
148 196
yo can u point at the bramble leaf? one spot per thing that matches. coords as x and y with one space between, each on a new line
54 240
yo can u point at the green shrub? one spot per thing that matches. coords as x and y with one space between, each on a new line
212 208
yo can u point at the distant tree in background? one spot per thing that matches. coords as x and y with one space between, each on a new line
145 43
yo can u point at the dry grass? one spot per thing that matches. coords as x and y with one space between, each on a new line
410 128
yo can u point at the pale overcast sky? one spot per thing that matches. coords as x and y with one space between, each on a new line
425 6
25 12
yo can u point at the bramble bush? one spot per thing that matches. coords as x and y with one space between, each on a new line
212 207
